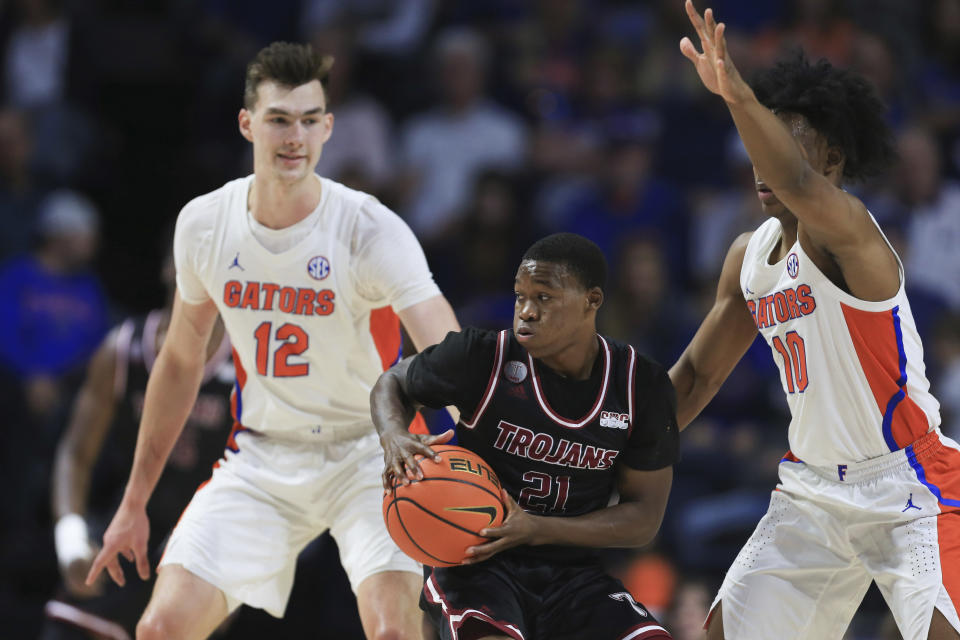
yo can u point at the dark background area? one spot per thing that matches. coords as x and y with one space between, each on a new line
485 125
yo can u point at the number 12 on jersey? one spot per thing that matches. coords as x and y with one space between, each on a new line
794 355
293 341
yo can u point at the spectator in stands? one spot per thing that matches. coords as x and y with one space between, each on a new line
445 148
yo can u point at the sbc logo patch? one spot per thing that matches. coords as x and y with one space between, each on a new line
613 420
318 267
793 265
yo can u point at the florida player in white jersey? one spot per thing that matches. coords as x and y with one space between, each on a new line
312 280
870 487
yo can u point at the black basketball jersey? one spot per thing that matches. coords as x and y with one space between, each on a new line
200 443
554 442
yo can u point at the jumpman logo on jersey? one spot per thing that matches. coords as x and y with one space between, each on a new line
236 263
910 504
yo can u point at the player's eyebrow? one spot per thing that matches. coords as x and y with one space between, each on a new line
284 112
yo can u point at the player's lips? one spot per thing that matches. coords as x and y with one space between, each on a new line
290 158
524 333
765 194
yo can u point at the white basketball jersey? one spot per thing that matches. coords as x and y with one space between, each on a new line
852 370
312 326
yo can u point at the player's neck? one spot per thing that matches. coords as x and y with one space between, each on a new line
575 361
277 205
788 237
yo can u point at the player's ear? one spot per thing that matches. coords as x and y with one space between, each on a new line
328 126
244 119
834 161
594 298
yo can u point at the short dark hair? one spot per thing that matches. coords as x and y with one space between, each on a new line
840 104
288 64
582 257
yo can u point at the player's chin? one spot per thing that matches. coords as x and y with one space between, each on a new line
773 208
532 342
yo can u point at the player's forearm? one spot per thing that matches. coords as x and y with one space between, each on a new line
71 483
694 392
776 155
629 524
390 407
171 393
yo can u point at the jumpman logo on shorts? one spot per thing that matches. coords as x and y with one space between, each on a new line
236 263
910 504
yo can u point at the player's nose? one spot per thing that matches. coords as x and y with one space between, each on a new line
528 310
295 134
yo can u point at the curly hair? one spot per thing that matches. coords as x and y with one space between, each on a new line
840 104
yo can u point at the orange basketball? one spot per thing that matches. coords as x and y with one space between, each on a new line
435 519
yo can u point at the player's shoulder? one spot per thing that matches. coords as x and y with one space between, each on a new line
473 338
203 210
365 218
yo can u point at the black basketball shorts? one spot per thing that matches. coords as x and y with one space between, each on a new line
529 598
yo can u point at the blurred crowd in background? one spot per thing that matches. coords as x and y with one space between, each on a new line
485 125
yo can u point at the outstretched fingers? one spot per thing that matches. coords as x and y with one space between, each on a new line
700 26
721 42
688 50
106 560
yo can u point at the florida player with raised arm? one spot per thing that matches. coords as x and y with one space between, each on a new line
566 418
870 487
309 278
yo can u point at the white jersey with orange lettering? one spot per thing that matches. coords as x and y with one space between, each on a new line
852 370
313 325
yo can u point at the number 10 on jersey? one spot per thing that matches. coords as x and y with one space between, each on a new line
293 341
794 354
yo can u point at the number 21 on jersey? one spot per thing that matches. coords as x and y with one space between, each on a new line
293 341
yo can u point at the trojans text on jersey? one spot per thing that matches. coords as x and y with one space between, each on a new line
525 443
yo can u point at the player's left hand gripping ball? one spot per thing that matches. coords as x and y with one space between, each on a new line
435 520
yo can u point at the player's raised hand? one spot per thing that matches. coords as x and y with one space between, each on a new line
400 451
127 535
713 64
519 527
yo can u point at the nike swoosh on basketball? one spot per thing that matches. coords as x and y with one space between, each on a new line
490 511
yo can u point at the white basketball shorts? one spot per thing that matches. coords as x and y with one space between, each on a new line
830 531
245 527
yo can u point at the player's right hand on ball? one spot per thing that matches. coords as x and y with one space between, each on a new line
400 451
127 535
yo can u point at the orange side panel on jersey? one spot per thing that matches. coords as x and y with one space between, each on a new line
875 339
942 471
948 539
385 329
419 425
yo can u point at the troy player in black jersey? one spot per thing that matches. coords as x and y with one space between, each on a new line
567 419
93 460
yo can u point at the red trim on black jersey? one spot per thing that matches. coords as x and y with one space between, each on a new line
457 617
77 617
148 341
601 396
122 346
646 631
631 387
491 383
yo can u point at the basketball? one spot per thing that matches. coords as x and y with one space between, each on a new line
435 519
